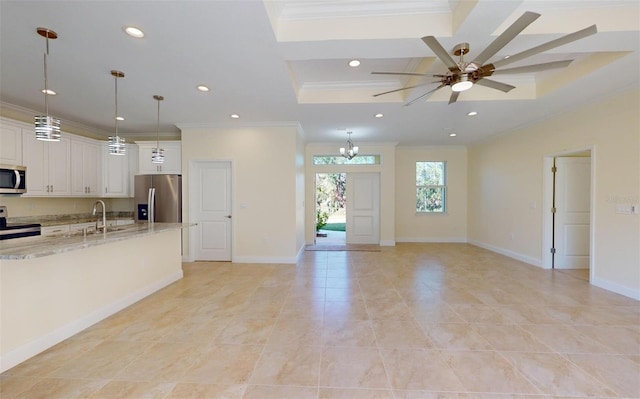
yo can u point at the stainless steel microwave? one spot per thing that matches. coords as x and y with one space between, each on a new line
13 179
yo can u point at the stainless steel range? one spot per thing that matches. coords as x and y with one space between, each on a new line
13 230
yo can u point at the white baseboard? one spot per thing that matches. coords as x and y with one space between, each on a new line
265 259
388 243
300 253
432 239
523 258
30 349
615 287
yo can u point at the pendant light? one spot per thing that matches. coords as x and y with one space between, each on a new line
117 144
350 151
47 127
157 154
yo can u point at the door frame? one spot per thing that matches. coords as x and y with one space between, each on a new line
191 186
547 203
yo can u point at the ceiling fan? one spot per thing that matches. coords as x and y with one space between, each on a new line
463 75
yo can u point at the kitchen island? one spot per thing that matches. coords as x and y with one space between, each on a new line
54 287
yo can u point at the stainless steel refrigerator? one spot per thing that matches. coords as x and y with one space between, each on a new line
158 198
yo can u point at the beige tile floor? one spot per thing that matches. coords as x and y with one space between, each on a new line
413 321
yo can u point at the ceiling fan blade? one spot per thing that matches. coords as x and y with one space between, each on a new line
399 73
441 53
533 68
495 85
454 96
571 37
505 37
404 88
424 95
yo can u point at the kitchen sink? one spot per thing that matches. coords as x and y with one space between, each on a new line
92 231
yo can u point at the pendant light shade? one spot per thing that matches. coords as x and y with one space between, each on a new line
117 145
47 127
157 154
350 151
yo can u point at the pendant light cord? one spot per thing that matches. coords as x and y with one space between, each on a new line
116 107
158 126
46 86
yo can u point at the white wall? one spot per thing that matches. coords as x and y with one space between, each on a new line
506 187
448 227
387 184
265 166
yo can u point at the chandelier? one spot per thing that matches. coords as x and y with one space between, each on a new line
350 151
47 127
117 144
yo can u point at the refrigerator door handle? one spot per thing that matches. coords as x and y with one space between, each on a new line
151 207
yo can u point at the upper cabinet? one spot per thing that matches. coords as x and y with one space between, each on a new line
115 172
48 166
85 165
172 158
11 141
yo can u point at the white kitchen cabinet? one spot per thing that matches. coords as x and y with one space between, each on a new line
50 231
172 158
115 173
11 141
85 164
48 166
78 227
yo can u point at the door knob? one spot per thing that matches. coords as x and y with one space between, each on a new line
228 216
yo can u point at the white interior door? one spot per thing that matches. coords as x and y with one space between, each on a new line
363 208
572 219
210 193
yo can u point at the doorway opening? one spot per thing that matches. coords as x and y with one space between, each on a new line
568 216
331 208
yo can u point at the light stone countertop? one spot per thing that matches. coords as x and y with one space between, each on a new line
39 246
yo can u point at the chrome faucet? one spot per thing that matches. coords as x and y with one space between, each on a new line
104 216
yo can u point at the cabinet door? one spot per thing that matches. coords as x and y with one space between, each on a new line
10 143
115 174
59 167
35 158
172 158
91 163
50 231
77 174
84 168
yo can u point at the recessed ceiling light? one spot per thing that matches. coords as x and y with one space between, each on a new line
379 115
506 56
235 116
203 88
120 118
472 113
354 63
452 135
134 32
49 92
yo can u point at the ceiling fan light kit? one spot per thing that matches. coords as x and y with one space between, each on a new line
463 75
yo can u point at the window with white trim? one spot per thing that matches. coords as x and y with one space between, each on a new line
431 187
